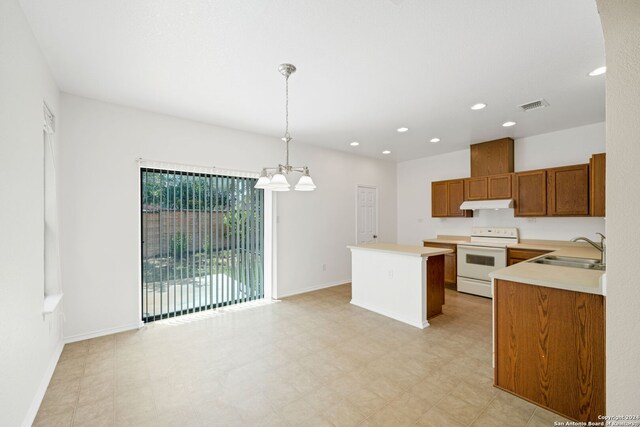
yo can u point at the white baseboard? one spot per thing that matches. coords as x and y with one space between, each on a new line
103 332
42 388
313 288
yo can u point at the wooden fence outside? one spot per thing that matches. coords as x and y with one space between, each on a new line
163 237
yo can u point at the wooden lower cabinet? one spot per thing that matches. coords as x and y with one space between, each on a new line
550 348
515 256
435 285
451 271
450 263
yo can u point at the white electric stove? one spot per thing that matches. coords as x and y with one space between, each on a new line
485 252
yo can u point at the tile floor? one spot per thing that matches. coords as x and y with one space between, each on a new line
309 360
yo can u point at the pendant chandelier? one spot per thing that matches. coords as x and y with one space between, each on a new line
274 178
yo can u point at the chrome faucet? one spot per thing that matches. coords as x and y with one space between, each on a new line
602 246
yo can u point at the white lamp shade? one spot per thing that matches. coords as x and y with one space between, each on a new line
305 184
279 183
263 182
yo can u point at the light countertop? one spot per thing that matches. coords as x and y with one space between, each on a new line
568 278
544 245
401 249
551 276
451 240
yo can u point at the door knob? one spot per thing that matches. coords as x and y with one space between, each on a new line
375 236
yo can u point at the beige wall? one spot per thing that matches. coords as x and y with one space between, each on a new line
621 25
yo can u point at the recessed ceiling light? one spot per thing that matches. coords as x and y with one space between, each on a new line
435 140
598 71
386 152
354 144
403 129
508 124
478 106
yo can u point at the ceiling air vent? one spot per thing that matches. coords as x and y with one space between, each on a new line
534 105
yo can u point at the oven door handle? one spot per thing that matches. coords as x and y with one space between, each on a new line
482 248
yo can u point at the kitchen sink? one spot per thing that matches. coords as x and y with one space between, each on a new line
562 261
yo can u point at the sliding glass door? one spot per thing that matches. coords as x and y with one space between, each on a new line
202 242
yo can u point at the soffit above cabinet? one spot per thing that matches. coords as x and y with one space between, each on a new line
492 157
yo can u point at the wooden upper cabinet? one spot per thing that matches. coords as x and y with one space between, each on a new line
499 186
476 188
492 157
446 198
568 191
488 187
597 183
455 196
577 190
439 199
530 193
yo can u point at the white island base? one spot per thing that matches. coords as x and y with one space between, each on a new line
405 283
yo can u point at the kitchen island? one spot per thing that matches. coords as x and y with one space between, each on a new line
403 282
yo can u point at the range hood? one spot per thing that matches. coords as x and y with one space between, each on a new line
487 204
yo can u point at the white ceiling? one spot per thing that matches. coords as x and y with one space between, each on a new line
365 67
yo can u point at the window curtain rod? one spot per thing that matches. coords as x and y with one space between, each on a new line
183 167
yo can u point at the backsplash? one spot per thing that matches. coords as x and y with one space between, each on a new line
539 228
546 228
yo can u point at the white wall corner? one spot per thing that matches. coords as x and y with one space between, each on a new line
42 388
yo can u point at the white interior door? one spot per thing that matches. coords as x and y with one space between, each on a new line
367 214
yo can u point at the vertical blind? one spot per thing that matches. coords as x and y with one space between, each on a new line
202 242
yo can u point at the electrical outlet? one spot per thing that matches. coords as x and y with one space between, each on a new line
390 274
420 220
324 267
531 220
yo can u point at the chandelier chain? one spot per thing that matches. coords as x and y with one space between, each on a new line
286 108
